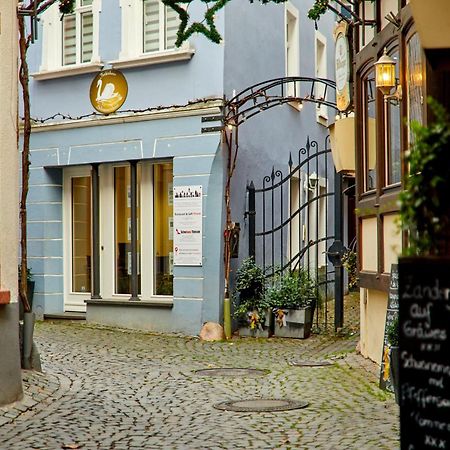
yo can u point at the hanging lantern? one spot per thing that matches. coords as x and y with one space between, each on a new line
385 73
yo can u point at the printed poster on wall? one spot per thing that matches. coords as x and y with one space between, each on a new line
187 225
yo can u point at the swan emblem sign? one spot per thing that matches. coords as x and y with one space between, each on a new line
108 91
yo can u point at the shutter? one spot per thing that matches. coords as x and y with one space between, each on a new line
151 26
69 40
172 24
87 36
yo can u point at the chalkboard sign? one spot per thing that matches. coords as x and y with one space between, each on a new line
391 314
424 288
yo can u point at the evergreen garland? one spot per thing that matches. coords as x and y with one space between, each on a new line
318 9
66 6
209 30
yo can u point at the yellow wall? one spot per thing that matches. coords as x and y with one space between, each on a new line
373 305
392 241
369 245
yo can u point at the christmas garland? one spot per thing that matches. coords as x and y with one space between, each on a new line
318 9
66 6
209 30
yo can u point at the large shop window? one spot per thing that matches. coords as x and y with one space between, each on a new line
392 133
369 131
122 232
163 229
81 234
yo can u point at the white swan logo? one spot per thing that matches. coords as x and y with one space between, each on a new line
108 91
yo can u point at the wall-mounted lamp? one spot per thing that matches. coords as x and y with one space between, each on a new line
313 180
385 79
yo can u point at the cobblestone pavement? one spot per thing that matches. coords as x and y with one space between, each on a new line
115 389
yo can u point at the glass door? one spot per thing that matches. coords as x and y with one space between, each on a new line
77 212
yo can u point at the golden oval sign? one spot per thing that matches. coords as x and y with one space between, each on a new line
108 91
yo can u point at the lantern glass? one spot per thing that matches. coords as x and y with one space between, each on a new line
385 77
385 73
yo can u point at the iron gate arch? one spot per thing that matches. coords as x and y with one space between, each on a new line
290 224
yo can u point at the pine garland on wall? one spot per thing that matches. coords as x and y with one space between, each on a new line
209 30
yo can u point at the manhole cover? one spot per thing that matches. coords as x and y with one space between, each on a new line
261 405
231 372
306 363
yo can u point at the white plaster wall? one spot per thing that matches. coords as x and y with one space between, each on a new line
8 154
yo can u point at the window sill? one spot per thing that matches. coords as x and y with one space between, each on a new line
154 58
166 302
68 71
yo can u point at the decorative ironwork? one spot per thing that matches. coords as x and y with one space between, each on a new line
279 91
290 226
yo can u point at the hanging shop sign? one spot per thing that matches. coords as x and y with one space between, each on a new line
108 91
187 225
343 67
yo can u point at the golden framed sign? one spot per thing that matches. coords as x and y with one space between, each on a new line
343 67
108 92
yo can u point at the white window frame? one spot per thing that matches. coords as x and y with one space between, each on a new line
292 49
132 53
321 71
52 48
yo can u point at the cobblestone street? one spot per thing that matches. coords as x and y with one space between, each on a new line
113 389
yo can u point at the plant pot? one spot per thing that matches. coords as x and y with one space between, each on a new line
30 295
257 332
296 324
394 366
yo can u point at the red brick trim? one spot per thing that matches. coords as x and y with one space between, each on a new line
5 297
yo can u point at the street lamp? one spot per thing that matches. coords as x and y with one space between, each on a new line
385 79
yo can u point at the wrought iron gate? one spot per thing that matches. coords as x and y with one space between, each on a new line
295 220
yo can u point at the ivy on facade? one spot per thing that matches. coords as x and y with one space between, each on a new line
209 30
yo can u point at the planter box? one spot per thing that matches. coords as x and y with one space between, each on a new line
298 323
257 332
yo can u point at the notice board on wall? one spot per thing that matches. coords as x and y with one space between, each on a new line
424 294
391 315
187 225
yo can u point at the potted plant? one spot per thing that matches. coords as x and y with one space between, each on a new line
392 334
251 308
349 262
293 297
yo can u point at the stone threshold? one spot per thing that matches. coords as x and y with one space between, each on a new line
65 316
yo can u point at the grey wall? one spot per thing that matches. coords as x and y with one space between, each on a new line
254 52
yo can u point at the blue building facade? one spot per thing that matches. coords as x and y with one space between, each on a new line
157 138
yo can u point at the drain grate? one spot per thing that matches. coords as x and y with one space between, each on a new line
231 372
261 405
309 363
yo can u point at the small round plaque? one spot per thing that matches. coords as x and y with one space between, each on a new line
109 90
